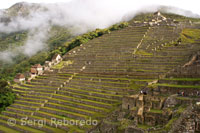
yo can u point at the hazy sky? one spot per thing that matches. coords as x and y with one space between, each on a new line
192 5
7 3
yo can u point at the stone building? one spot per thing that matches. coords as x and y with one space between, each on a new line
56 58
19 78
146 109
38 68
33 72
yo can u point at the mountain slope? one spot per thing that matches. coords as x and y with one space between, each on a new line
102 71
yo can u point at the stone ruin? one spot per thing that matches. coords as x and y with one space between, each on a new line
146 109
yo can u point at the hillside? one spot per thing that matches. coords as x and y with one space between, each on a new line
105 77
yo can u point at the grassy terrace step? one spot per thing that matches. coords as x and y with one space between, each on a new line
11 114
45 128
36 96
93 93
49 80
117 84
180 86
183 75
18 127
52 84
83 101
28 103
138 72
125 67
116 69
20 111
93 85
31 99
34 90
105 76
78 105
49 77
49 116
64 113
129 62
97 78
122 67
129 75
19 106
83 96
181 81
102 90
70 109
35 87
4 129
125 56
120 53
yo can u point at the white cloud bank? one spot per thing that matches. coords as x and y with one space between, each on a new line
84 15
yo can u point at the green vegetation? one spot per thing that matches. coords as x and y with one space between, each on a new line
142 52
190 35
62 64
58 43
12 40
143 126
179 86
156 111
182 79
124 124
179 109
6 95
135 86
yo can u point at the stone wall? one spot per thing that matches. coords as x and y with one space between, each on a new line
189 121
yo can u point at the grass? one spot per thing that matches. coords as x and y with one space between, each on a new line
182 79
24 127
120 79
156 111
90 97
66 112
7 130
87 100
100 90
179 86
181 109
190 35
135 86
144 126
70 107
62 64
76 103
183 98
169 124
102 82
142 52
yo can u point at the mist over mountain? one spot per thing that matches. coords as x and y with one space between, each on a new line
78 16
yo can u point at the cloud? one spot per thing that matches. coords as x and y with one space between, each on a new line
82 15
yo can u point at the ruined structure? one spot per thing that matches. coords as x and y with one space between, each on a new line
146 109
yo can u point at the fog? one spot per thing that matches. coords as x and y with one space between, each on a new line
82 15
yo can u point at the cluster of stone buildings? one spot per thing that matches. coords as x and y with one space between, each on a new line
38 69
156 20
146 109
